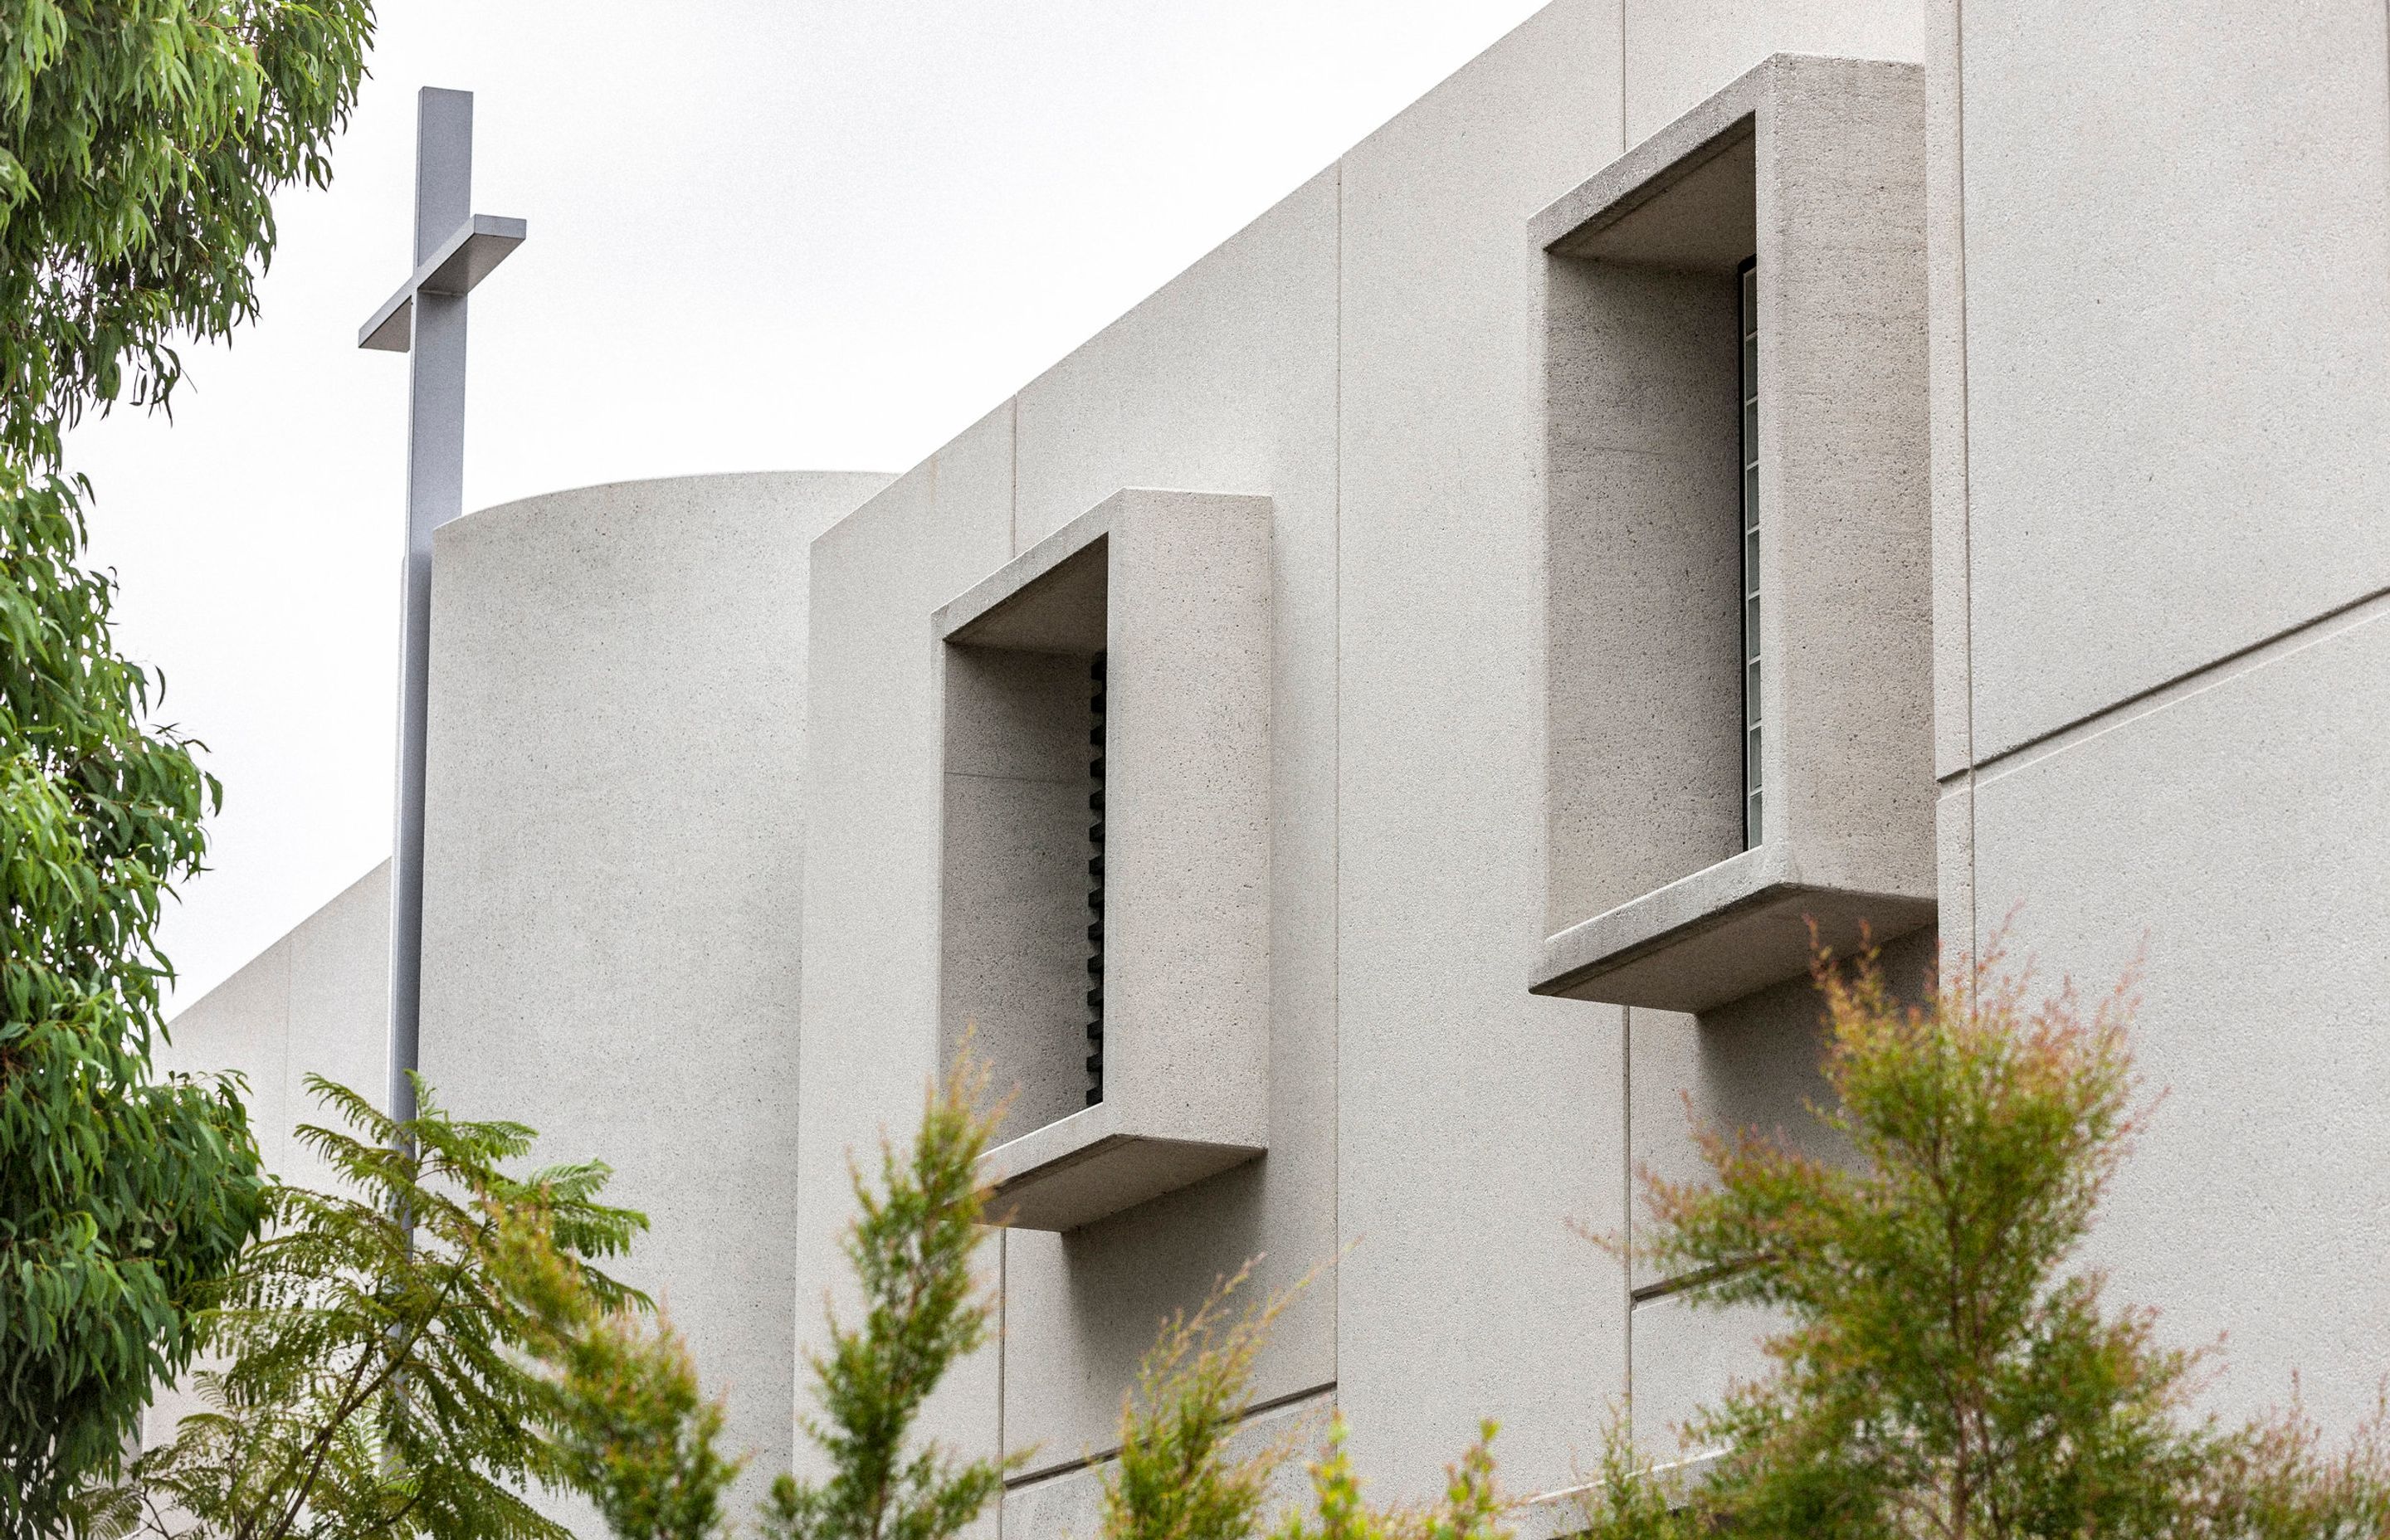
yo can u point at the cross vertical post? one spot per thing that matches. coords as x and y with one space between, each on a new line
454 248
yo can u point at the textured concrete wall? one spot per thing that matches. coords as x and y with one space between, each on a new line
1679 51
2160 347
1473 1120
2160 581
868 1038
686 890
613 895
1224 383
1369 354
614 854
315 1001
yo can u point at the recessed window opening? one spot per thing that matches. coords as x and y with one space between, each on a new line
1021 937
1737 600
1752 827
1650 556
1104 922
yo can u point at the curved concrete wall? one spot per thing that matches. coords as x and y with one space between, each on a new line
613 865
612 872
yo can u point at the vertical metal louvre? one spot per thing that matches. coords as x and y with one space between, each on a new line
1096 885
1752 828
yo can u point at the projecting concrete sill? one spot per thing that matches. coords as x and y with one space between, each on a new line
1085 1167
1718 935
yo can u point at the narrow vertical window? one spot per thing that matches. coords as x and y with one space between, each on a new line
1752 828
1096 884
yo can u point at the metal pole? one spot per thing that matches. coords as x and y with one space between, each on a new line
435 494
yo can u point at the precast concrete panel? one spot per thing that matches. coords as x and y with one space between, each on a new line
1945 348
1751 1066
339 1001
2234 831
242 1027
869 1026
1473 1120
1676 52
614 854
1224 382
1687 1355
315 1003
2177 339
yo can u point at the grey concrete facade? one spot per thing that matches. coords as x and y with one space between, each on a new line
618 671
2070 445
2162 658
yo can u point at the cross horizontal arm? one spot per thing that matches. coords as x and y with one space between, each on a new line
462 260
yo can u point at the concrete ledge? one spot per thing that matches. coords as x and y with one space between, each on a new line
1715 936
1041 600
1573 224
1569 224
1084 1168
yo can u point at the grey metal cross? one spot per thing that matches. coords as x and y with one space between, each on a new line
454 248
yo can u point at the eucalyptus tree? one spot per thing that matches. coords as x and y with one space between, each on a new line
141 144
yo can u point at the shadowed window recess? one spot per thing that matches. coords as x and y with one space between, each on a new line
1095 883
1752 828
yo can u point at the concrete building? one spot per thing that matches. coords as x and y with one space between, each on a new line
1702 466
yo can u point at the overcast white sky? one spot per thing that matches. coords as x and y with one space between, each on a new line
764 233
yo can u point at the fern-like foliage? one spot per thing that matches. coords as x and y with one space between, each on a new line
911 1250
378 1377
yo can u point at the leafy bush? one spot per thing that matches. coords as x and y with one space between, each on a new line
911 1249
121 1195
1472 1508
632 1428
1174 1478
634 1433
1949 1369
